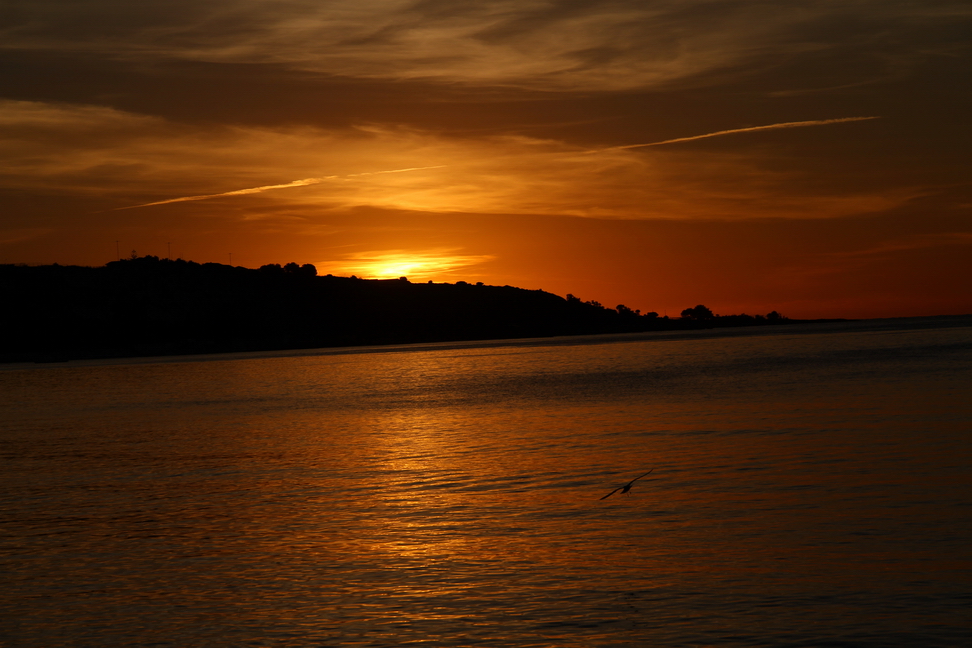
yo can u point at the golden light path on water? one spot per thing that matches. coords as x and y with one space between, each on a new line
451 493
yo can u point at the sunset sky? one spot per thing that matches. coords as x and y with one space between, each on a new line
811 157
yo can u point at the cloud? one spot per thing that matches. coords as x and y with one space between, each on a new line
121 157
904 244
567 185
124 160
553 45
21 234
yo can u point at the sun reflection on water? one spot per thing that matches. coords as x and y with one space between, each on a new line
452 496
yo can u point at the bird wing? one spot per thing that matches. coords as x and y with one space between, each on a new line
637 478
612 492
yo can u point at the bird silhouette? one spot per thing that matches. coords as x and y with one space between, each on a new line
626 487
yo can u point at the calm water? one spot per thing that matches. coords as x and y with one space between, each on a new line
811 487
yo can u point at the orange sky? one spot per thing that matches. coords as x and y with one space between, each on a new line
504 142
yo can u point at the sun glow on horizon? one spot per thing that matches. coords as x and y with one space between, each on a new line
391 264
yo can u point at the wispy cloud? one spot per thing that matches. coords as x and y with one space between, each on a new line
19 235
119 161
904 244
475 187
563 45
750 129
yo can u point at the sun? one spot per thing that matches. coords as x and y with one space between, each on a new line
402 268
391 264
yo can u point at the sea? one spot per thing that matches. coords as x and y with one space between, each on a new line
810 485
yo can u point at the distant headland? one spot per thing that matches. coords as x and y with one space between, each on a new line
147 306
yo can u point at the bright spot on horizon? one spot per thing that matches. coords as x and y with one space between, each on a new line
400 269
391 264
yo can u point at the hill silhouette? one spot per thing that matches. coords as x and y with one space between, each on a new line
146 306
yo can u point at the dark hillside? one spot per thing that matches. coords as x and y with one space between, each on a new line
147 306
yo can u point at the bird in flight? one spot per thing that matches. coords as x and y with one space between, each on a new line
626 487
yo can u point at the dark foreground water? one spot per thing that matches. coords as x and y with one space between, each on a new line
811 487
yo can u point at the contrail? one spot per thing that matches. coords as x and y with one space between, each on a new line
799 124
311 181
355 175
295 183
238 192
